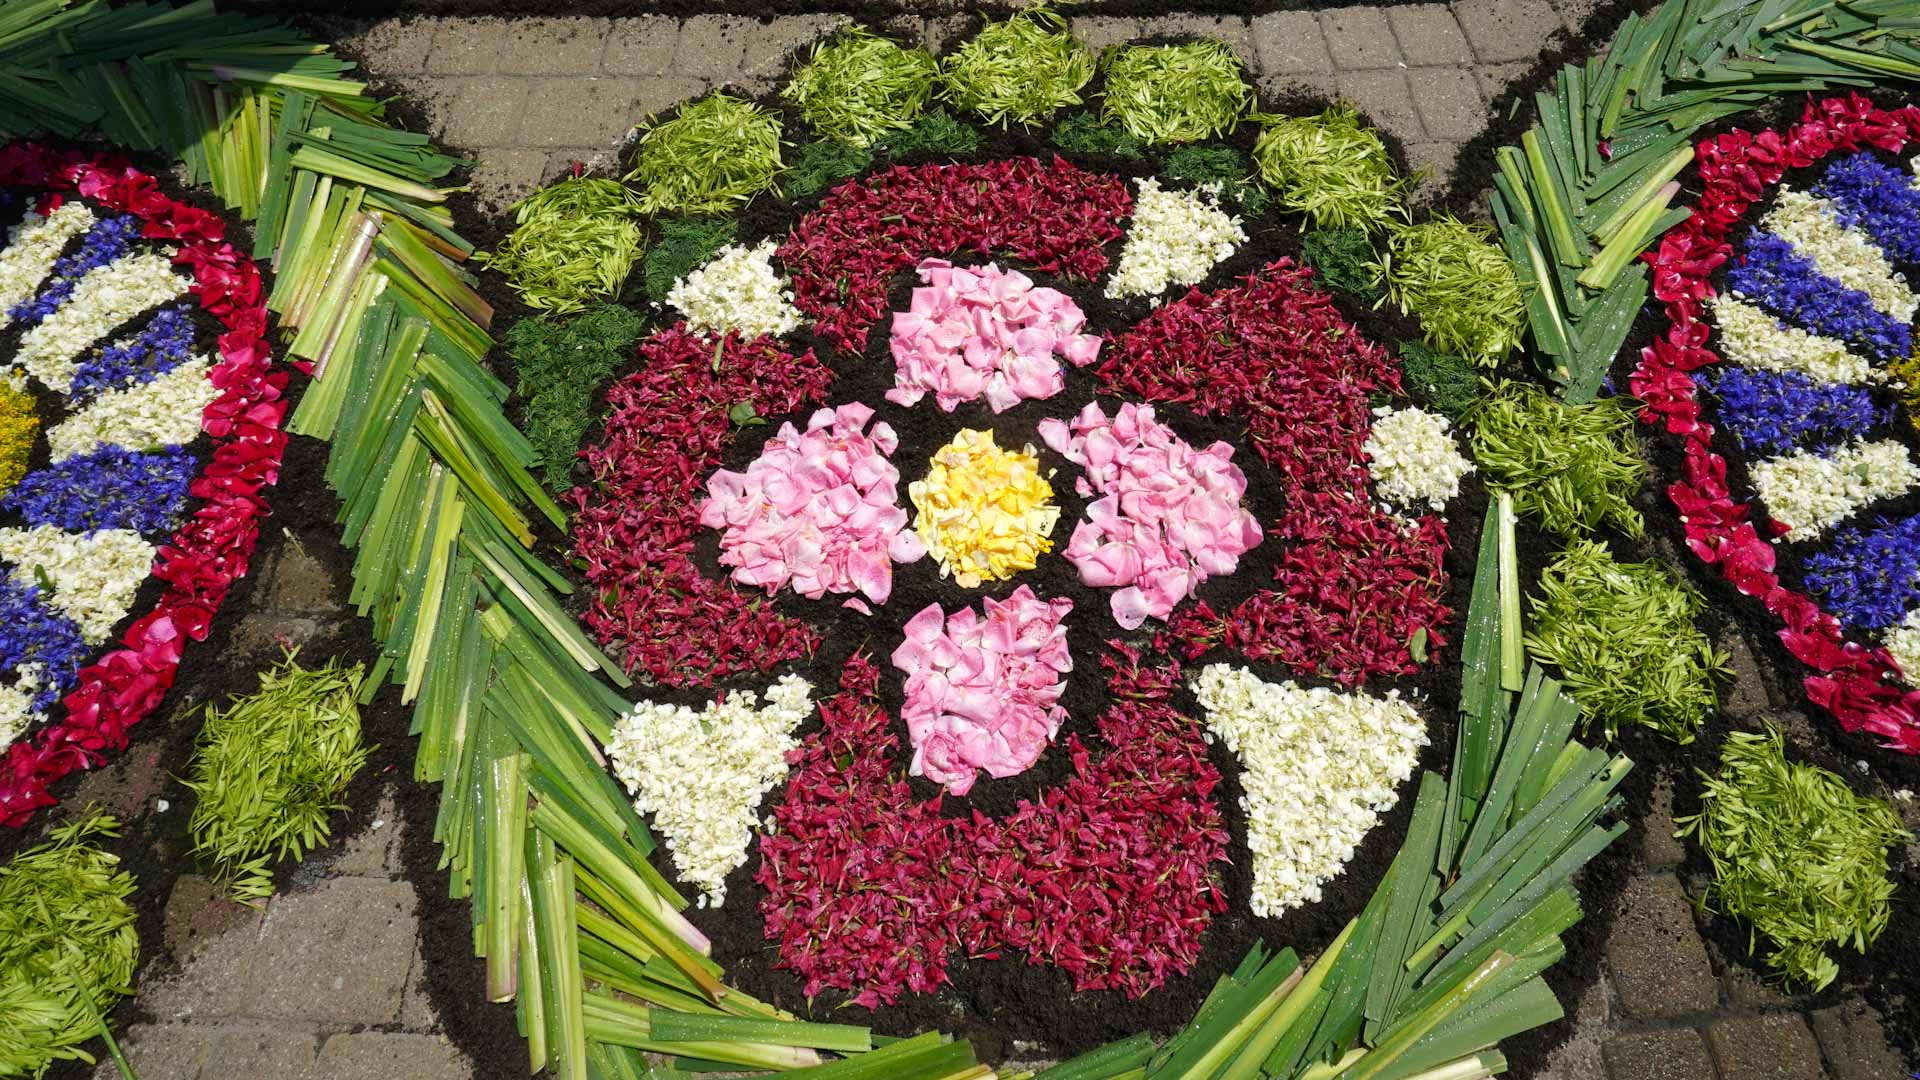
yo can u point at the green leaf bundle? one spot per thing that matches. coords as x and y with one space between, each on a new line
715 154
1573 468
684 243
270 769
1331 169
1441 381
1460 284
1624 639
1020 70
1222 165
859 86
1084 133
572 243
1796 854
1175 93
560 363
1343 259
68 947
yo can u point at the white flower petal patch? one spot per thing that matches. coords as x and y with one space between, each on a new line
1903 644
1413 459
737 290
1175 238
16 703
33 246
702 774
92 576
1321 767
164 412
1754 339
104 299
1846 255
1809 492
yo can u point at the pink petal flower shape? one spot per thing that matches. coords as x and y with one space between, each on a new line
972 332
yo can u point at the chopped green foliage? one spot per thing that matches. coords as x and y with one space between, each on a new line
573 242
684 244
1571 467
1083 133
1623 636
1443 382
859 86
68 947
1331 169
1796 854
1343 258
823 163
1175 93
270 768
937 132
560 363
1460 284
715 154
1017 71
1221 165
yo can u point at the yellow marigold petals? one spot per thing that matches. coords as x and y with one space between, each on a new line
984 513
19 427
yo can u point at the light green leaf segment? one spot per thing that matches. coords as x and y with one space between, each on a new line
1575 220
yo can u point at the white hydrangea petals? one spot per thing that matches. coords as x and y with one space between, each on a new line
1176 237
1846 255
1413 459
33 246
1752 338
164 412
1809 492
737 290
1903 644
93 576
16 703
702 774
1321 767
104 299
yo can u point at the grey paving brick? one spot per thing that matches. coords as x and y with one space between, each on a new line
1658 1055
199 912
1775 1046
1313 83
1855 1041
943 32
1747 982
562 162
1428 34
1100 31
1661 848
298 582
159 1052
372 850
577 112
656 95
1291 43
1746 696
1495 78
1655 956
503 176
1436 161
392 46
769 45
1229 29
1503 30
376 1055
711 47
466 46
1448 101
261 1050
1359 38
564 46
1382 95
642 45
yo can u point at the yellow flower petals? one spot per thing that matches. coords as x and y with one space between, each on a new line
19 426
984 513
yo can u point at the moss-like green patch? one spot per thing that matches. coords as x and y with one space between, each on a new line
936 133
1222 165
1443 382
560 363
823 163
1084 133
1344 260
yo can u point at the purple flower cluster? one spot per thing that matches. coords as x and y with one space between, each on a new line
1786 283
1772 412
109 239
162 345
1879 200
110 488
1869 579
33 633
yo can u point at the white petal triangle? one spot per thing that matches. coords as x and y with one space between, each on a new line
92 576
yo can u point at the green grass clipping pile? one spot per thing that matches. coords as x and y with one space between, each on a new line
859 86
1020 70
1175 93
1572 468
1460 284
572 243
712 156
1331 168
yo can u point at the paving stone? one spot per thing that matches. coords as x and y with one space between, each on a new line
392 46
711 47
1495 78
466 46
1429 34
375 1055
131 785
1774 1046
159 1052
262 636
643 45
1383 97
371 852
261 1050
660 93
1436 160
503 176
1748 982
1290 43
1359 38
1503 30
770 44
198 912
1661 848
417 1013
1746 695
1321 84
1575 13
1655 956
567 46
1100 31
577 112
1579 1058
298 582
589 159
1658 1055
1448 102
1229 29
943 32
1856 1043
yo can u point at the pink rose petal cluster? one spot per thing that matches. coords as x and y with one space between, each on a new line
818 510
1169 516
983 331
984 692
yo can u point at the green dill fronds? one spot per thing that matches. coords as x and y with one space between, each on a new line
1461 285
1020 70
936 133
823 163
1623 637
1796 854
270 769
1331 169
715 154
1175 93
1342 259
560 363
684 244
1222 165
1573 468
1084 133
859 86
1443 382
573 242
